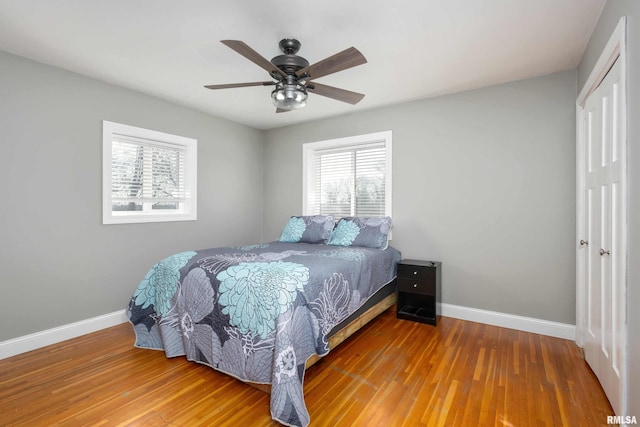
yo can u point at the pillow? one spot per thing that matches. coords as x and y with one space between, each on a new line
369 232
308 229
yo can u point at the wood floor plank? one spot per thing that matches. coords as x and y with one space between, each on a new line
391 373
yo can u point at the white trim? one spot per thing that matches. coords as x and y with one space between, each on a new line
189 207
41 339
309 148
55 335
616 47
581 252
510 321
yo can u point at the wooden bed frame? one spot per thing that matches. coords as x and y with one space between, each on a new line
351 328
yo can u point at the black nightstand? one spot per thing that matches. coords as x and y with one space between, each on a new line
419 295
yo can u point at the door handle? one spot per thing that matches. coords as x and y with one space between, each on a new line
583 242
603 252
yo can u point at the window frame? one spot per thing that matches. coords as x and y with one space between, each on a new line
188 208
309 150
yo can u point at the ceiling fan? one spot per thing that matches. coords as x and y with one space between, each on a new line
293 75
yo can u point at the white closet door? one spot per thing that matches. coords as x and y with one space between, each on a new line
603 213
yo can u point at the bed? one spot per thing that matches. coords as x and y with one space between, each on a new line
264 312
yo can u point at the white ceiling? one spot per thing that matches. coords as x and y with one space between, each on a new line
415 48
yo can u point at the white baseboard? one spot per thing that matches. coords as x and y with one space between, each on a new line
40 339
55 335
511 321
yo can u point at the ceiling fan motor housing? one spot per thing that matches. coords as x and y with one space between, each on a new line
290 62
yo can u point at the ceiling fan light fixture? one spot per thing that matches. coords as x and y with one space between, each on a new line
289 96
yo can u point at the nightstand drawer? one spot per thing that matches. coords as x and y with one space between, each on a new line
416 272
416 286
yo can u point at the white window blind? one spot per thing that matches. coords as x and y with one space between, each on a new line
349 177
148 176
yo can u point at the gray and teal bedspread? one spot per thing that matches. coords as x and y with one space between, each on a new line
257 312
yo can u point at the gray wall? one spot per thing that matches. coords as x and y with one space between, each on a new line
58 263
613 11
483 181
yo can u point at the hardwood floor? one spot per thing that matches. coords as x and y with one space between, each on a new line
391 373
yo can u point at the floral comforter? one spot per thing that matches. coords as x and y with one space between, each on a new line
257 312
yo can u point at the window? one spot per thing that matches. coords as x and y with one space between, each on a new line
348 176
148 176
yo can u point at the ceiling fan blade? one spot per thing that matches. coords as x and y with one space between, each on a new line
232 85
335 93
282 110
243 49
340 61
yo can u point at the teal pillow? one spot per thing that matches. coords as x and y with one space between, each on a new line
308 229
368 232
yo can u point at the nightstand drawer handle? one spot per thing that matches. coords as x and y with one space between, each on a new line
415 272
415 285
